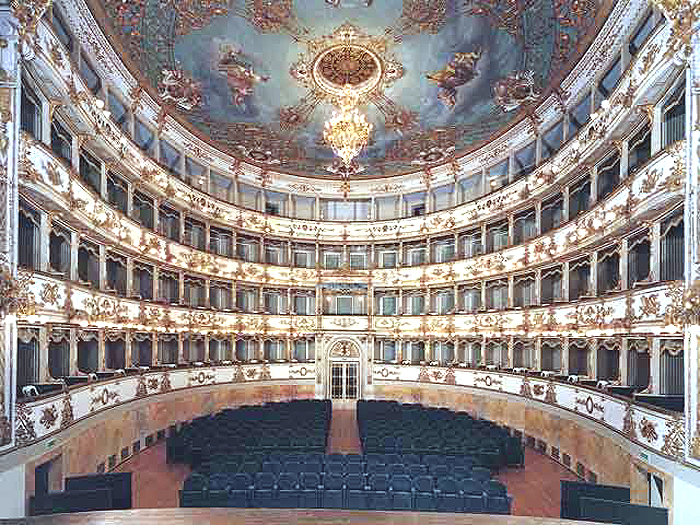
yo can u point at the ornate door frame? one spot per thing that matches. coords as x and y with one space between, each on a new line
345 348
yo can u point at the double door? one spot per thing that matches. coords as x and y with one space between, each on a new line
344 380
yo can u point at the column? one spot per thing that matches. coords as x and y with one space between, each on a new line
180 348
538 286
655 252
129 276
565 203
74 244
127 349
624 252
44 233
156 215
103 267
537 365
100 350
692 255
565 282
130 201
156 277
593 358
154 350
206 347
655 365
44 375
593 274
73 352
511 285
623 361
565 356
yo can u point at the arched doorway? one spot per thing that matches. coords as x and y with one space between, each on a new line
344 371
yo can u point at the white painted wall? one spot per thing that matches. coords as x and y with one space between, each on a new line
12 492
686 510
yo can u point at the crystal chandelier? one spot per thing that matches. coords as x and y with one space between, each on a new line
347 131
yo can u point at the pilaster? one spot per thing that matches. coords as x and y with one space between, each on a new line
16 39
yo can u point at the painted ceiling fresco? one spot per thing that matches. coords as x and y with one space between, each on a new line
438 76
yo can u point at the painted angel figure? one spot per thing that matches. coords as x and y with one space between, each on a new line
240 75
458 71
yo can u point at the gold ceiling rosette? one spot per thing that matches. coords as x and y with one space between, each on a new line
346 69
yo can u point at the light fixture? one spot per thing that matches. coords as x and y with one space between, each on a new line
347 131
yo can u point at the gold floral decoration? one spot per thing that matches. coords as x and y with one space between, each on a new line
648 430
674 440
67 417
49 415
15 295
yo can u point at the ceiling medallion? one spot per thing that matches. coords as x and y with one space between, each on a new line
346 69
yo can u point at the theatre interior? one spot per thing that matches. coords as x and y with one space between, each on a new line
349 261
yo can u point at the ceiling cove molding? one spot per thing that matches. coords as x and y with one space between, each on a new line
619 22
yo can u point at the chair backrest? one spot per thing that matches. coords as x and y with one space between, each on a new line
336 468
287 480
293 466
335 458
392 458
448 485
397 468
354 468
423 483
310 480
250 467
433 459
417 470
355 481
472 486
272 466
333 481
312 466
354 458
400 483
411 459
439 471
461 472
195 482
494 487
219 482
481 473
264 480
241 481
379 481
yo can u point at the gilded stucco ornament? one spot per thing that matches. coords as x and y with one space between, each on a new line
28 13
15 294
684 16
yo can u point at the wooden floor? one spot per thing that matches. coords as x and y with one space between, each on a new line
535 488
344 436
279 517
154 483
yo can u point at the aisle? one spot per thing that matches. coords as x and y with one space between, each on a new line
536 489
344 436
